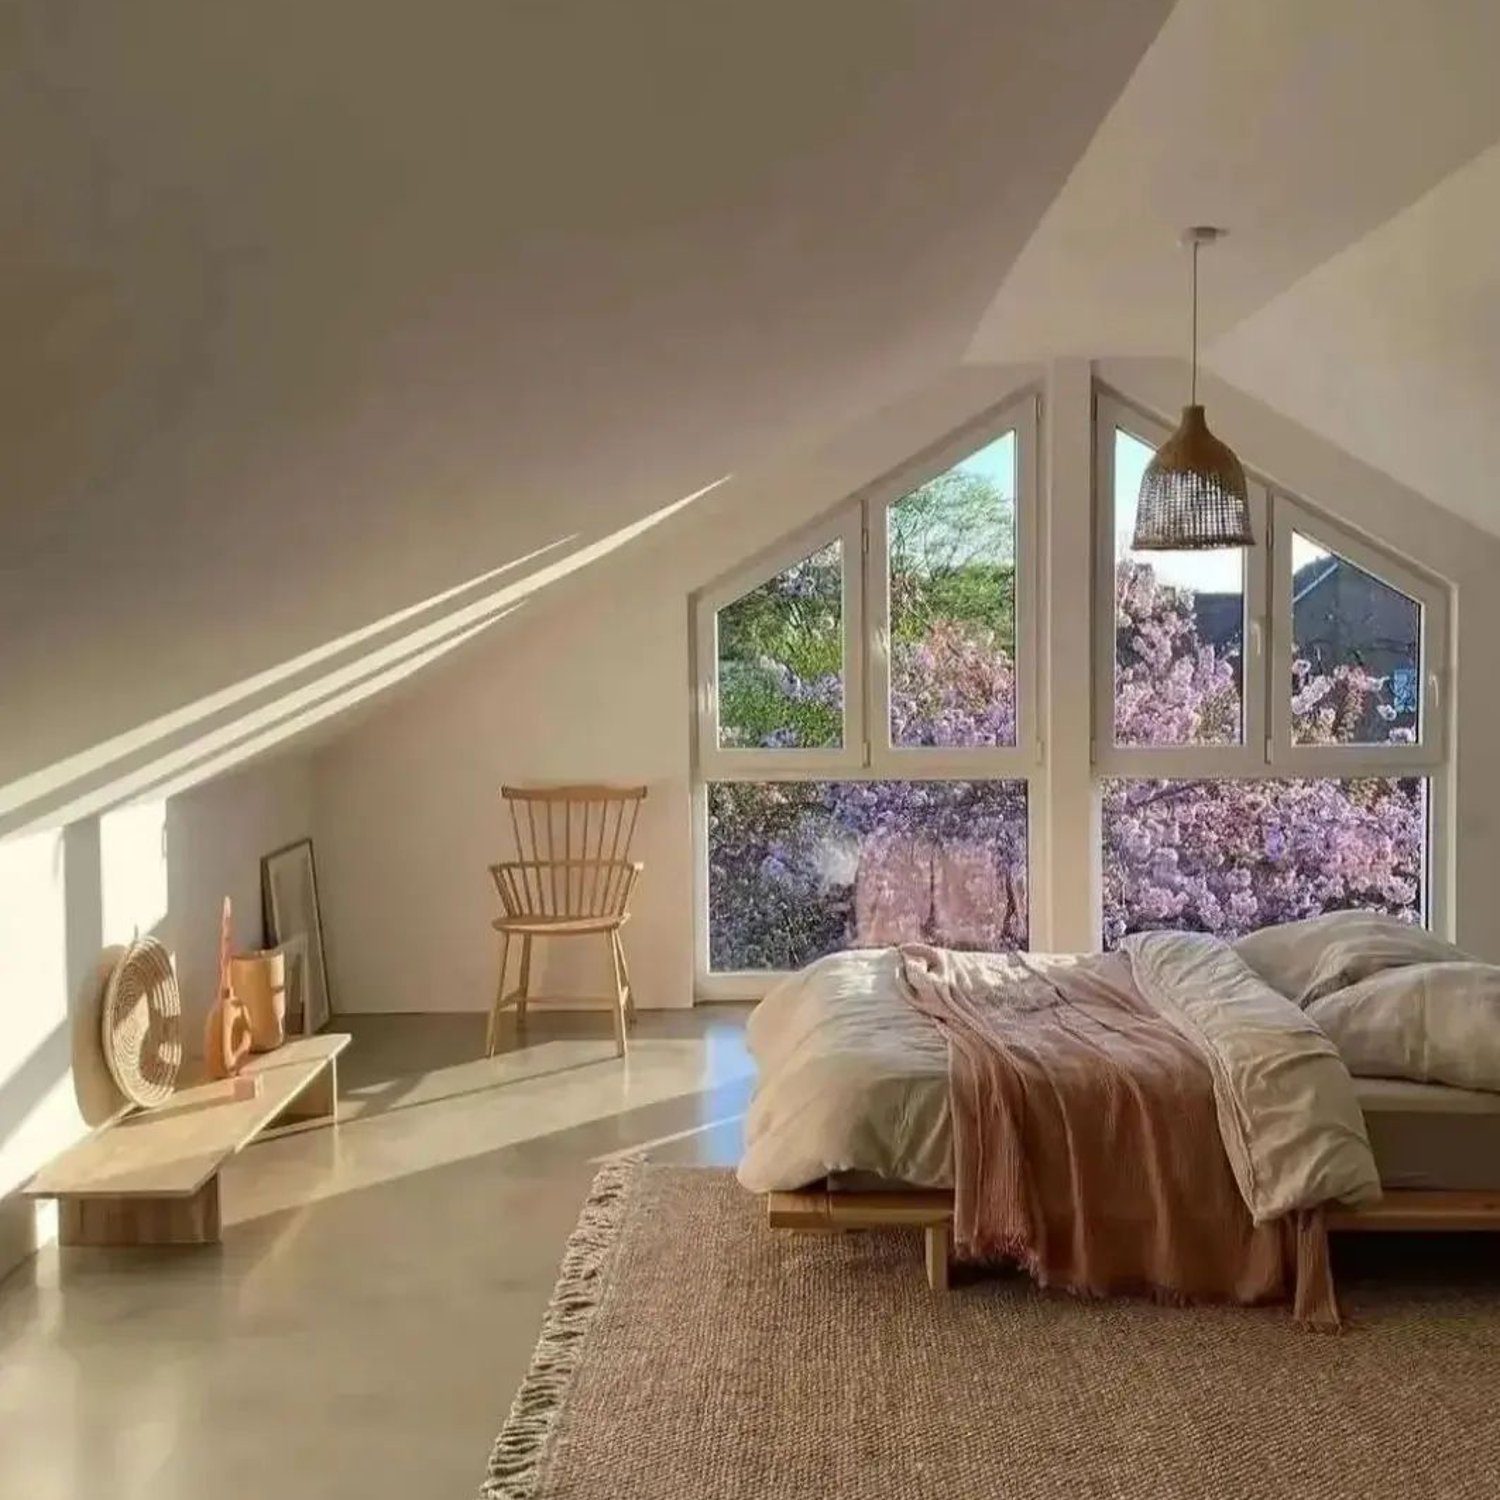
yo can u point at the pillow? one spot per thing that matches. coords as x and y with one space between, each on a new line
1432 1023
1308 959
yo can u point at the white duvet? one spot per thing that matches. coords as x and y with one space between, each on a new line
852 1080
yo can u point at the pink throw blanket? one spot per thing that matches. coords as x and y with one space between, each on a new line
1086 1141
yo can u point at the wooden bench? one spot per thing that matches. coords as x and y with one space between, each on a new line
152 1178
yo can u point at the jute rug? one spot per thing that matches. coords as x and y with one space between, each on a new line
692 1352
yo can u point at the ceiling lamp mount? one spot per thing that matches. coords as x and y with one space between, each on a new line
1193 493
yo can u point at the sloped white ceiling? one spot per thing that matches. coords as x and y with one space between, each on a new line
1350 148
1392 348
1301 125
314 311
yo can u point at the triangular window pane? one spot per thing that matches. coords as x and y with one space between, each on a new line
1356 653
781 659
1179 630
953 604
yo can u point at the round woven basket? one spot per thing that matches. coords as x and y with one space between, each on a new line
141 1024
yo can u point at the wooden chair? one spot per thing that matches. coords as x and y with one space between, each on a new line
573 878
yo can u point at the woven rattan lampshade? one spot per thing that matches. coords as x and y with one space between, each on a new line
1193 494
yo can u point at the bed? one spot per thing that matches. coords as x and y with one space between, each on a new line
852 1121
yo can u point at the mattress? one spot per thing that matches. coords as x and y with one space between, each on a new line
1424 1135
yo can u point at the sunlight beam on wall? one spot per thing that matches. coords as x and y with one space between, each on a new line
133 869
61 773
128 764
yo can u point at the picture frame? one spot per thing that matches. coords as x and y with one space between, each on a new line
294 958
293 918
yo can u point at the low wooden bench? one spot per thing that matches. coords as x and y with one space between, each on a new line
152 1178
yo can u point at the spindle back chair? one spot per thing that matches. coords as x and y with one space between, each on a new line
572 877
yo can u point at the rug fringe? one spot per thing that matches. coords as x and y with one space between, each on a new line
516 1459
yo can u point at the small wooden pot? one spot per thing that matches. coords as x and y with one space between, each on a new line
259 980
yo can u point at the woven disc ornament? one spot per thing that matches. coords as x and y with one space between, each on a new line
141 1024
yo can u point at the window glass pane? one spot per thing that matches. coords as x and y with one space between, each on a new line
1230 856
1179 630
781 659
1356 653
797 870
953 604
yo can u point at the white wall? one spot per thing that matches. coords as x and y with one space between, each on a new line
160 866
597 686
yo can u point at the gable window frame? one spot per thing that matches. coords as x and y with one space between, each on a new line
1292 517
1269 753
719 763
1022 416
861 522
1246 758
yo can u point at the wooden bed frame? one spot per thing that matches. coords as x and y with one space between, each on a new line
825 1210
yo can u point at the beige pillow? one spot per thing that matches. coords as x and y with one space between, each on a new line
1432 1023
1304 960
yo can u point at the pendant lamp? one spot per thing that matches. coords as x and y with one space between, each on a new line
1193 494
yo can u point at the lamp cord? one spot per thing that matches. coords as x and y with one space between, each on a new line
1194 400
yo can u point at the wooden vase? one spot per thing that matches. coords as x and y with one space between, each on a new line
259 980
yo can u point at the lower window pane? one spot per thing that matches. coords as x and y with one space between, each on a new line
797 870
1230 856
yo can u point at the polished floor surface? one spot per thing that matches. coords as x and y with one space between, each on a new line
365 1323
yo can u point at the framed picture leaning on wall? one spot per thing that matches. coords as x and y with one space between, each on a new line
294 922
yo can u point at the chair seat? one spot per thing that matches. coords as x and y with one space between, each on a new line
540 926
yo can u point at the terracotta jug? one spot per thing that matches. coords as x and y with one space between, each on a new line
259 981
226 1040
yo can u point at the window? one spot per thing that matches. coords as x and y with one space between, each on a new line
1229 856
1265 734
1359 647
866 721
1179 631
800 869
782 645
951 578
1268 741
781 659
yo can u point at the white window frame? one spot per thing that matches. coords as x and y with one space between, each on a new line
1290 516
1170 761
1268 752
867 753
716 763
980 762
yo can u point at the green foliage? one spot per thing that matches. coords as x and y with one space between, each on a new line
952 544
780 658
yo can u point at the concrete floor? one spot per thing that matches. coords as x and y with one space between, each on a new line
373 1307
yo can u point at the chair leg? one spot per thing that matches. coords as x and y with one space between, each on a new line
619 1005
492 1031
625 973
525 986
